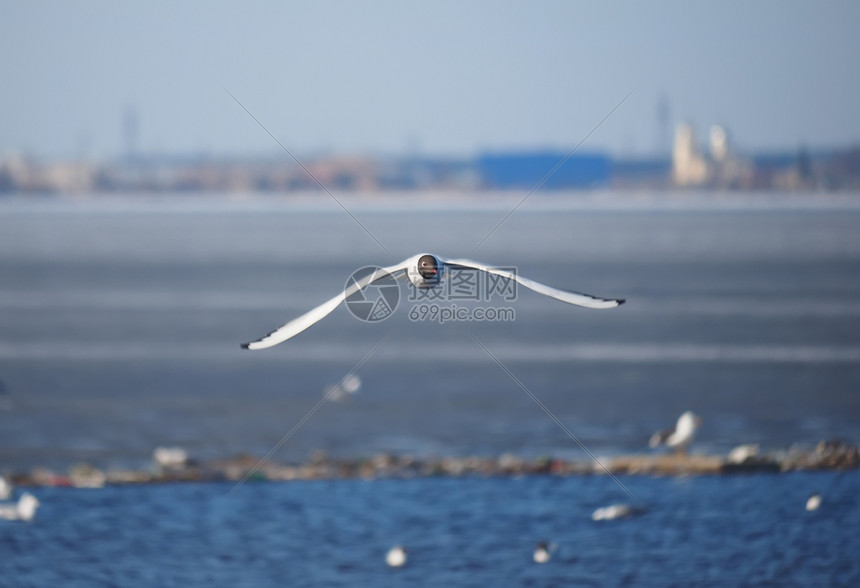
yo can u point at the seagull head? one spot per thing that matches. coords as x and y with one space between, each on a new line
430 269
542 552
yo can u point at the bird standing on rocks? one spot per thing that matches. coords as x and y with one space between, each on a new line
679 436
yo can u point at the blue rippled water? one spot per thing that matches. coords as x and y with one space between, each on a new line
706 531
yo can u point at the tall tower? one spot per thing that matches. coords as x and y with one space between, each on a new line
664 131
130 128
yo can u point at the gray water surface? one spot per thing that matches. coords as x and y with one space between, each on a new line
120 324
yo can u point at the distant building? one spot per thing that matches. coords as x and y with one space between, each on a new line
16 173
724 169
654 173
524 170
719 144
689 168
729 170
22 174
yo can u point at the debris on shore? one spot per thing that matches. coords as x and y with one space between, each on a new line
827 455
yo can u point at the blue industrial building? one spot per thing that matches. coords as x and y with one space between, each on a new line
523 170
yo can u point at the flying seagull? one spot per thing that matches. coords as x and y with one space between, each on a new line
423 271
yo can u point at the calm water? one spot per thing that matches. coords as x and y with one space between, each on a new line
120 323
728 531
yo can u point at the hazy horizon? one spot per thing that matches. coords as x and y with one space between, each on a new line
441 79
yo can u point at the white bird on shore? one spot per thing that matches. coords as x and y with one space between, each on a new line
396 556
423 271
814 502
23 510
743 453
616 511
679 436
543 552
5 489
168 457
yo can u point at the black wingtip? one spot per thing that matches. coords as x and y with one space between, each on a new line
621 301
245 345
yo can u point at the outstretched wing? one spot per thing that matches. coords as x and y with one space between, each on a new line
567 296
297 325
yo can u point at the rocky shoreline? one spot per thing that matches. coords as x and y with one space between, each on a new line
827 455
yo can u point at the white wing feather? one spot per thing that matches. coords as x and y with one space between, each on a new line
567 296
297 325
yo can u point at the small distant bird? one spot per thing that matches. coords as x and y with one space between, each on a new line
542 552
23 510
5 489
616 511
340 392
424 271
169 457
813 502
743 453
679 436
396 556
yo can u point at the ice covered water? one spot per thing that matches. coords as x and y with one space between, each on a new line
120 324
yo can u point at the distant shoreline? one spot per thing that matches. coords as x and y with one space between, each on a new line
598 200
827 456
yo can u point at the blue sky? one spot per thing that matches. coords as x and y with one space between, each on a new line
438 78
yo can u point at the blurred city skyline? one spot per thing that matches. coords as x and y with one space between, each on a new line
95 80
